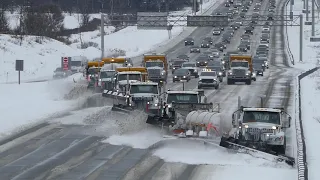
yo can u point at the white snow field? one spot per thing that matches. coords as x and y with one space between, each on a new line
310 49
310 92
42 58
310 89
29 103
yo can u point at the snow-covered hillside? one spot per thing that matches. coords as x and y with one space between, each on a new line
41 58
309 87
311 52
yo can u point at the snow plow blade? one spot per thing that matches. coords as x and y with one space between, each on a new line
157 120
231 145
122 109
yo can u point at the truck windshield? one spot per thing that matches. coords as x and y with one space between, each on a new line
239 64
122 77
182 98
107 74
76 63
261 116
211 73
188 65
153 89
178 63
93 70
154 64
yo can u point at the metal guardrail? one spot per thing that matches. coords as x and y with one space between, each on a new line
301 145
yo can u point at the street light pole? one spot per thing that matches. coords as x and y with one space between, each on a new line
313 20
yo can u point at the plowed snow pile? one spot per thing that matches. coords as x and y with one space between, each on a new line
107 122
195 152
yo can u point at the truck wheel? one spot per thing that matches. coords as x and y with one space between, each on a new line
216 87
248 82
221 79
196 76
229 82
199 87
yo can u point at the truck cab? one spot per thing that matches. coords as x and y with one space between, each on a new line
156 71
144 94
125 77
156 60
179 102
183 97
107 79
261 127
77 63
240 70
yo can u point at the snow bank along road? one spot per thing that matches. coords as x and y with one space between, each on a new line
55 151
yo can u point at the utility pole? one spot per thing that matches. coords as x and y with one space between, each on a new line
307 10
195 7
313 19
291 9
102 30
102 35
301 38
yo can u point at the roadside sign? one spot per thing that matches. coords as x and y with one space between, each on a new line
65 63
207 21
152 20
19 68
19 65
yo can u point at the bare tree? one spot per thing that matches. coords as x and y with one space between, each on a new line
4 25
20 29
83 18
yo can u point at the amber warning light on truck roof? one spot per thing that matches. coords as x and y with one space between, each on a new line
95 64
113 60
139 69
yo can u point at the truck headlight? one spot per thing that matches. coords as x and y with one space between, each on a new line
175 76
246 126
195 70
169 105
184 76
220 73
274 127
223 62
99 80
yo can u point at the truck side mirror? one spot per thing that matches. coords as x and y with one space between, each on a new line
287 124
289 121
205 100
233 117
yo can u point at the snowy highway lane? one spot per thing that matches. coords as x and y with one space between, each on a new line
67 151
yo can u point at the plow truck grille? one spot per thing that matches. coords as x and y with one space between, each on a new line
239 72
255 133
154 72
207 80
